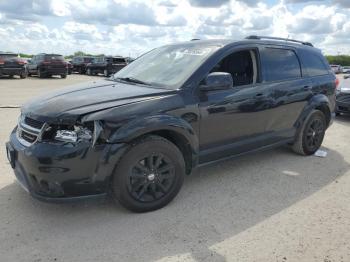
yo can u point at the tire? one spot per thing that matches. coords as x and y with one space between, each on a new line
10 76
23 75
105 73
139 189
337 114
40 74
310 136
64 76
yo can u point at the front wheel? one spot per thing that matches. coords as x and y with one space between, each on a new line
311 135
149 175
64 76
40 73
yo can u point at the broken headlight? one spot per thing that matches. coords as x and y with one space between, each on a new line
78 134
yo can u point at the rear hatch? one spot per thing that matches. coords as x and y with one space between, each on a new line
11 61
54 61
117 63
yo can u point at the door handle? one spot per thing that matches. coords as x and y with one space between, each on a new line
307 87
259 95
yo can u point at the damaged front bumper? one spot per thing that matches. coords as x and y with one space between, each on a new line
63 172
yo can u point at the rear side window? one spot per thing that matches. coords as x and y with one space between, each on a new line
314 64
280 64
118 60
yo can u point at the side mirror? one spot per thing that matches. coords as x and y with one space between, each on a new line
29 61
217 81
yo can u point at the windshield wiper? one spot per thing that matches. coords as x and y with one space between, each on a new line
132 80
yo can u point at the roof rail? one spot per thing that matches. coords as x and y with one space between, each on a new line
256 37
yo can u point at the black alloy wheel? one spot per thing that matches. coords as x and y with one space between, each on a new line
311 134
314 134
151 178
149 175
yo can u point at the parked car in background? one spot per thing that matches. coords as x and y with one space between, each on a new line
346 69
80 62
69 67
11 64
106 65
46 65
337 69
137 134
343 97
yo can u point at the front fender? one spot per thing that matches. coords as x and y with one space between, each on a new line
163 122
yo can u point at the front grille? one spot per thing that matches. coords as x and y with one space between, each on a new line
33 123
28 137
29 130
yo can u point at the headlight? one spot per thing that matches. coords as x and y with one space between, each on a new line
78 134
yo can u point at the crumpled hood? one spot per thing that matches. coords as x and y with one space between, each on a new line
66 105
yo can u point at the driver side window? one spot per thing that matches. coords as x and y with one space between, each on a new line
242 65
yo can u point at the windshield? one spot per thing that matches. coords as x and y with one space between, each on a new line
167 66
98 59
88 59
7 55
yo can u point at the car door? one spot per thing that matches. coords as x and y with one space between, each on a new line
288 90
233 121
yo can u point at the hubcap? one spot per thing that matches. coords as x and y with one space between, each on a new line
151 178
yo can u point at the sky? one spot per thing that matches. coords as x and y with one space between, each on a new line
130 28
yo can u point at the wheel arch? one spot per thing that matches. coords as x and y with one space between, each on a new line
318 102
174 129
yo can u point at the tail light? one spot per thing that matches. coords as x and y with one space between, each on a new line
337 82
2 62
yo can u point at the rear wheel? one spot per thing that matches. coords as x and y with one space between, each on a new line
10 76
311 134
64 76
149 175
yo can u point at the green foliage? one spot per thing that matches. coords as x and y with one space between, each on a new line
343 60
79 53
25 55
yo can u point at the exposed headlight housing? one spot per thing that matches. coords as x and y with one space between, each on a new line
78 134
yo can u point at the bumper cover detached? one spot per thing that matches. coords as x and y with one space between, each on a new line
60 173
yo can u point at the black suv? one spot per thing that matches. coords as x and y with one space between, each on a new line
45 65
11 64
106 65
80 62
137 134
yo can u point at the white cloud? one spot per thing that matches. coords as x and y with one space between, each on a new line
132 27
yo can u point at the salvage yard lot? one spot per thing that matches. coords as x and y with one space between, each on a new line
271 206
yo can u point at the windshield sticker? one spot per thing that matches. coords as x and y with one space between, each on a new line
199 52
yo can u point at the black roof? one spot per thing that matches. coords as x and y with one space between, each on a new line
250 40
